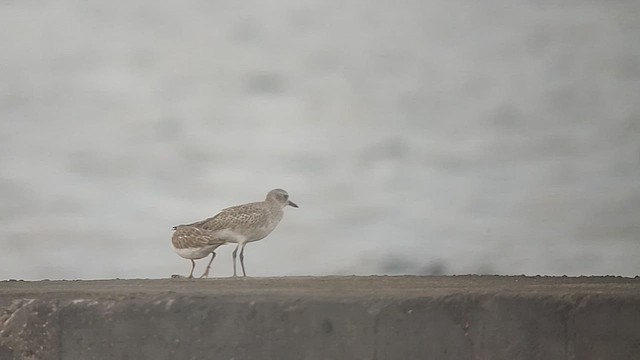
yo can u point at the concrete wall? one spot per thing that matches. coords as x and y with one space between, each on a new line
469 317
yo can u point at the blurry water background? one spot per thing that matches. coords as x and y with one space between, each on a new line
418 137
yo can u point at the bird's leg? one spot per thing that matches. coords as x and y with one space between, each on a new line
193 266
244 273
206 272
234 259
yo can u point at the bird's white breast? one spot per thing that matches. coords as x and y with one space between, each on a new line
246 234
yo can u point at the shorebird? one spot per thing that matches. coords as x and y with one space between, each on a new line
246 223
194 243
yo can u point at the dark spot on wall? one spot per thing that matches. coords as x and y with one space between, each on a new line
327 327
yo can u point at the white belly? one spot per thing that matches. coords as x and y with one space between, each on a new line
244 235
195 253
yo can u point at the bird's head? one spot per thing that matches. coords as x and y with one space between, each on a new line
281 197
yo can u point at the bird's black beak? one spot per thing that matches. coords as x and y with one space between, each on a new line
291 203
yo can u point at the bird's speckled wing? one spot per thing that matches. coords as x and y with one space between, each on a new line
247 215
187 236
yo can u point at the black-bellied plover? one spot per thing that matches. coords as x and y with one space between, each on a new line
194 243
246 223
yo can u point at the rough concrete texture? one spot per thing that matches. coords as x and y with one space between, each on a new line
460 317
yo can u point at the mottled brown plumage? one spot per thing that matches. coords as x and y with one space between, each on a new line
239 224
187 236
